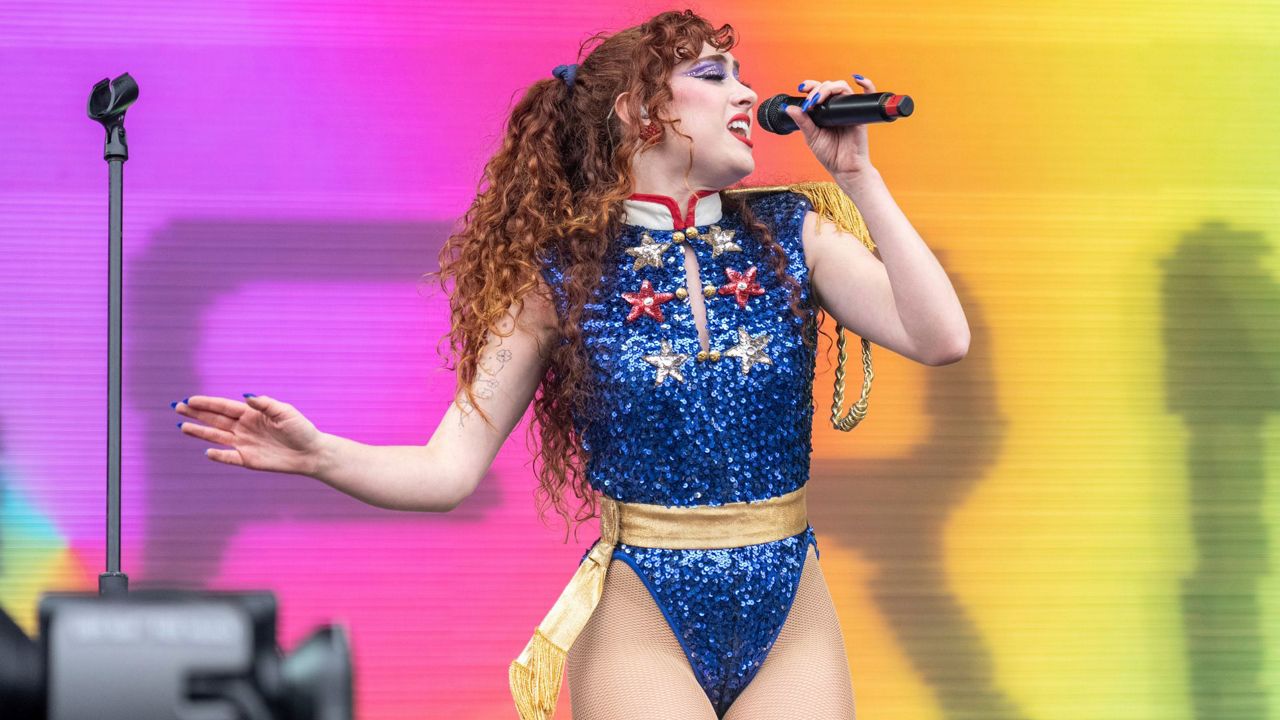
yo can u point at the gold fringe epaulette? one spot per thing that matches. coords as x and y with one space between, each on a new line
828 200
832 203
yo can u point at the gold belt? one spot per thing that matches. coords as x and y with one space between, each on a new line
535 675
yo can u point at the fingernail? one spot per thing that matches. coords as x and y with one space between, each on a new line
809 103
179 426
859 76
800 86
186 400
782 108
174 404
249 395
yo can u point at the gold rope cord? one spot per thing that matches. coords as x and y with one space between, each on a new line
830 202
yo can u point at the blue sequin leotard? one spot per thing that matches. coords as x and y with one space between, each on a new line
680 431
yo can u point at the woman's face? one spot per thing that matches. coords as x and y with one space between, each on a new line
708 96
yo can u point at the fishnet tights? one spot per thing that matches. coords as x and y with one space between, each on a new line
627 664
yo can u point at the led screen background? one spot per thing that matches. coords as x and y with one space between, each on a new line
1074 521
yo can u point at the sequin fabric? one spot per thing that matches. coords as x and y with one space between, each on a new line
668 428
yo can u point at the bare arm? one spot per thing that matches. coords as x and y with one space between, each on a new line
440 475
904 303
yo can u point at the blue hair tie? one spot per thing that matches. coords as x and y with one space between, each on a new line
567 73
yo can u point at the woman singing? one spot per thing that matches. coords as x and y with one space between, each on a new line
664 327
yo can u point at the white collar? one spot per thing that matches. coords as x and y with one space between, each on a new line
659 212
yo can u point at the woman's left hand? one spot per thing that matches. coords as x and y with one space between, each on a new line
841 150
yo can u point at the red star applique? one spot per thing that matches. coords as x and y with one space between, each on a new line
741 285
646 302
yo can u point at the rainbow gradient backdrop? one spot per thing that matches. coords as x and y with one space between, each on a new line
1075 521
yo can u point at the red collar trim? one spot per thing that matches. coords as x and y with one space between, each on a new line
678 220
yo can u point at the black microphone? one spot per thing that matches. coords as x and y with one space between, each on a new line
835 111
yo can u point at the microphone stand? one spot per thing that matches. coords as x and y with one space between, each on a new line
107 105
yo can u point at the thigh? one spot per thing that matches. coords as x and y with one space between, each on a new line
627 663
806 673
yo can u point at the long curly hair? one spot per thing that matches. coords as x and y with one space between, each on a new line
556 186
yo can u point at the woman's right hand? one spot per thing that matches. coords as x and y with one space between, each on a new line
263 433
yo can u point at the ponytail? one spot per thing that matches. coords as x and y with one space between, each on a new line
553 192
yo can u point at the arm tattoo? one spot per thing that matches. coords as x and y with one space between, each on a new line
486 382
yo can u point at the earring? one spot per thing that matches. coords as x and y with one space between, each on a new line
650 131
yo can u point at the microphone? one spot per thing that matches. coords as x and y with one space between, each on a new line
835 111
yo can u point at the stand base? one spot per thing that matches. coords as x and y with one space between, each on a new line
113 584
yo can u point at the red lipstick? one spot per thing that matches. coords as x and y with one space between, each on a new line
746 119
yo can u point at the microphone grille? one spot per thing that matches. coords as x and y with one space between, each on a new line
769 116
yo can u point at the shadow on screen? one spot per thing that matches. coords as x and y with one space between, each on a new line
194 506
1222 354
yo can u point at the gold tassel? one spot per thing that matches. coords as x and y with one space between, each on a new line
535 675
535 683
832 203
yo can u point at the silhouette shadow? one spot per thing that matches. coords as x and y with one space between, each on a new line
894 511
1221 343
194 506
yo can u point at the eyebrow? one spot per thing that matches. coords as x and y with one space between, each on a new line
737 67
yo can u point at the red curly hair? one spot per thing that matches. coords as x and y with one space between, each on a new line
558 183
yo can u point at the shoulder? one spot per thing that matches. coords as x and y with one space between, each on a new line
775 202
784 210
787 213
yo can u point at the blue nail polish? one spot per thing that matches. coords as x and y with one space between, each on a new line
186 400
800 86
782 108
859 76
249 395
811 101
174 404
179 426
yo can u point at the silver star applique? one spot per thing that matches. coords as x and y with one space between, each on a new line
648 252
722 241
750 349
667 362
